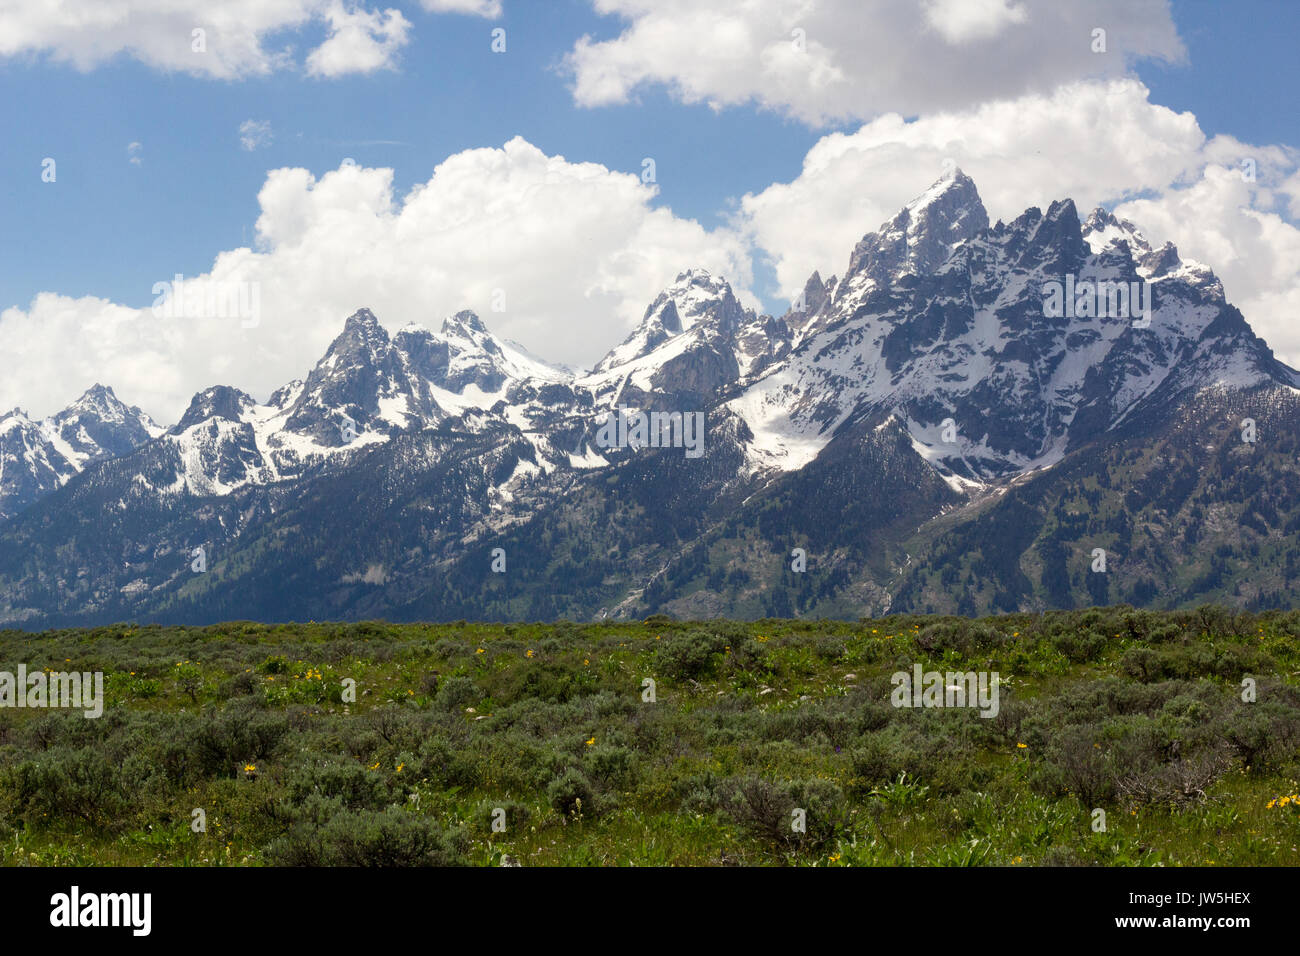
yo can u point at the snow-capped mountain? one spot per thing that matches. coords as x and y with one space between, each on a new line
941 319
366 388
924 426
695 339
38 456
695 311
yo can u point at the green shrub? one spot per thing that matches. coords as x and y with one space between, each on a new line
571 794
355 787
276 664
385 838
768 810
447 766
515 816
878 758
1080 647
72 784
449 648
691 655
1076 763
610 765
222 740
240 685
456 694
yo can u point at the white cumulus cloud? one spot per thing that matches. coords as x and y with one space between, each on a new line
574 251
359 41
824 60
225 40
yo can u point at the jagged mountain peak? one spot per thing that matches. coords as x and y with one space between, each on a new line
696 296
696 299
97 394
39 456
98 399
954 326
218 401
697 276
1052 240
1099 219
1103 229
1161 262
924 233
809 302
952 190
365 389
100 406
362 319
1063 210
464 322
361 333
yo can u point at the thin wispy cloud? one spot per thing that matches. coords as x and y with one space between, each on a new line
254 134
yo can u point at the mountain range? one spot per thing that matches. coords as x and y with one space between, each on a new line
923 433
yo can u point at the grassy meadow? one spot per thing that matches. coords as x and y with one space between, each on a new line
381 744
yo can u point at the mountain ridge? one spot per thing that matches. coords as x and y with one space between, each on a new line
934 367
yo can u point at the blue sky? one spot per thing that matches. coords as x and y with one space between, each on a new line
116 221
119 227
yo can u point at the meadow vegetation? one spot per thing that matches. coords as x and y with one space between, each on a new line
470 742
